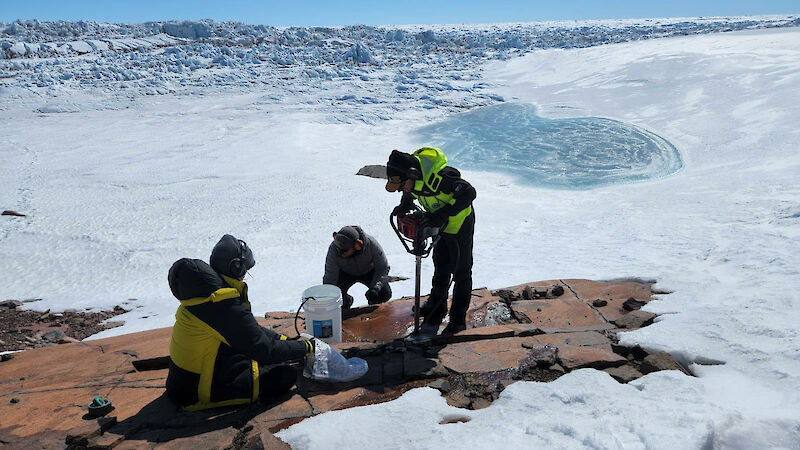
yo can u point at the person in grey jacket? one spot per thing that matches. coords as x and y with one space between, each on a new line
355 256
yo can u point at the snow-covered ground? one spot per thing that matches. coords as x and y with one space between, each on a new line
118 183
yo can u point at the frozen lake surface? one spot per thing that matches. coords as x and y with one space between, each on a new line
570 153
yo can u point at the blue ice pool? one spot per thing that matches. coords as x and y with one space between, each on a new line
574 153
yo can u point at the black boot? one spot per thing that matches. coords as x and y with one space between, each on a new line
453 328
347 301
436 299
428 330
425 308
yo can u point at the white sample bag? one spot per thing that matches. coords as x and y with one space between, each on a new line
329 365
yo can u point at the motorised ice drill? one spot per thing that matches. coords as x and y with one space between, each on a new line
418 240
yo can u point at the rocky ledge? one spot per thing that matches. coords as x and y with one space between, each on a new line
23 329
536 331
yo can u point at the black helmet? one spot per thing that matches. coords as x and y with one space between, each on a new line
231 257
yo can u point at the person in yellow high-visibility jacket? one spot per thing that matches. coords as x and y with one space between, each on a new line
425 177
219 355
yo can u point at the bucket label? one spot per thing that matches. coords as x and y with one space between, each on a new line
323 328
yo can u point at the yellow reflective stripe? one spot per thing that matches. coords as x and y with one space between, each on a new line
445 198
256 382
194 301
455 222
223 294
217 296
284 337
206 376
207 370
428 202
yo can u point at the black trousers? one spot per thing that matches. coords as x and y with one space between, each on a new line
452 257
346 281
275 381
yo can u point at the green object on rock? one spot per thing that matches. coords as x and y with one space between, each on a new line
99 406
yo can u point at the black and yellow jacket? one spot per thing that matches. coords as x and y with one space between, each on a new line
217 345
449 205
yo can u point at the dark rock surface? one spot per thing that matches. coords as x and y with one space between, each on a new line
624 373
636 319
661 361
26 329
633 304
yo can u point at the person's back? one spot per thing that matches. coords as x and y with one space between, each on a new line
217 347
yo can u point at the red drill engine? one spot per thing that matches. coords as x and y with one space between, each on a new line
410 230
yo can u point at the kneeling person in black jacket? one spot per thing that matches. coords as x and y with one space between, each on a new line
219 354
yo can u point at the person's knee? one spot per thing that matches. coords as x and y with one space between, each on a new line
276 381
385 293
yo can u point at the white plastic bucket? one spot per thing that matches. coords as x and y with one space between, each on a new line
323 311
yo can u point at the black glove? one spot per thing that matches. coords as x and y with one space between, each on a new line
433 220
372 295
400 210
309 346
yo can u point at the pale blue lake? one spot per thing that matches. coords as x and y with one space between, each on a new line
571 153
